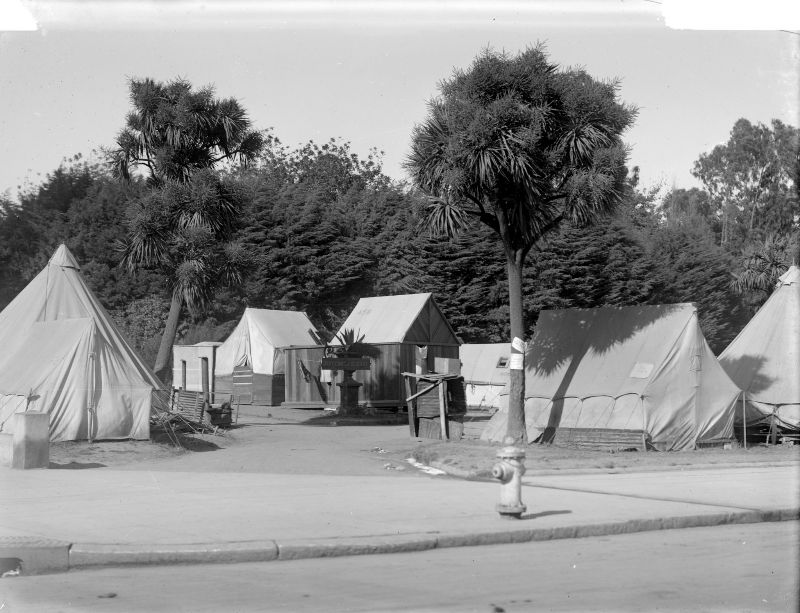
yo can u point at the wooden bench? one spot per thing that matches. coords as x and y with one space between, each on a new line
607 439
192 408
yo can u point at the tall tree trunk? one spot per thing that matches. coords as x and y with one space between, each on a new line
163 365
516 399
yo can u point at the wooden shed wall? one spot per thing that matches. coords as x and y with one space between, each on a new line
313 393
383 384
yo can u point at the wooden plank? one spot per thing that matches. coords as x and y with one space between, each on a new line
443 409
412 425
425 391
430 428
602 438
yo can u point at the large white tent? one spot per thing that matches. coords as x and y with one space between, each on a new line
63 355
485 371
764 359
256 346
644 368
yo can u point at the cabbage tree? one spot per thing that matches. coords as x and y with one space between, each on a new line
520 145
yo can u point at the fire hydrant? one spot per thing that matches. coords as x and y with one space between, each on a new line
509 471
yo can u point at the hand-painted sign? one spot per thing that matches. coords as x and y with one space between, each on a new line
345 363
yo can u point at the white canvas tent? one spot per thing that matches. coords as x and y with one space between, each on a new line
485 371
764 359
63 355
645 368
256 345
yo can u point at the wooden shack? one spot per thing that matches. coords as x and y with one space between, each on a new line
408 333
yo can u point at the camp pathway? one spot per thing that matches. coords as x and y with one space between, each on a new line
112 517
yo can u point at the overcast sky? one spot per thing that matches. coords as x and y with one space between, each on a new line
363 70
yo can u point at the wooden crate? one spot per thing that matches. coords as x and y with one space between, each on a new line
430 427
428 404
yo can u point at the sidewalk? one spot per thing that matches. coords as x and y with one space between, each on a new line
55 520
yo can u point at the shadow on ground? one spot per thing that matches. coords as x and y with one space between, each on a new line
545 514
186 440
381 419
76 465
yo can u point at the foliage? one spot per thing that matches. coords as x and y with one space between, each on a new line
520 145
185 231
89 220
174 131
752 182
762 265
141 321
316 248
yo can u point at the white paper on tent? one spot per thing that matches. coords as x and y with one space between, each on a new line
641 370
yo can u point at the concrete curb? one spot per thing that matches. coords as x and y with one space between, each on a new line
93 555
40 556
350 546
33 555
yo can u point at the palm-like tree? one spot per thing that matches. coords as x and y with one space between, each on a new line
762 264
185 225
519 145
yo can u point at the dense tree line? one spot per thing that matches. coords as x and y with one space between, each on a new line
322 227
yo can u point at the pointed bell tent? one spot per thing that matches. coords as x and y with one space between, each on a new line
63 355
643 368
764 359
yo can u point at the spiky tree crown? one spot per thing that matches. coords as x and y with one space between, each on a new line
519 139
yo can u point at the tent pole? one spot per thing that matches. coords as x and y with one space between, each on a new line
744 420
644 424
90 420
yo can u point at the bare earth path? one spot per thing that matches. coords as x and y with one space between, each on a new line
296 441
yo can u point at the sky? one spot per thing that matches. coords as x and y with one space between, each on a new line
364 70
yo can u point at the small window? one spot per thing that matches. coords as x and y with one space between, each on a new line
502 362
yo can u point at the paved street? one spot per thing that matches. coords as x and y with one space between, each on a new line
727 568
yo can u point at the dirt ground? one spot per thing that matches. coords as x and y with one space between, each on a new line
295 441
